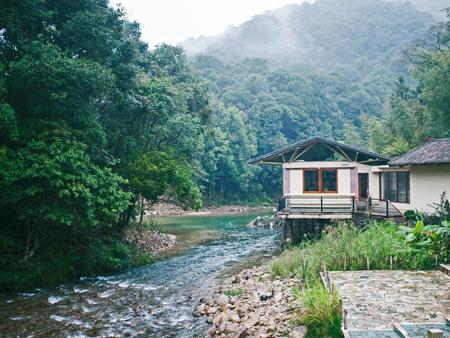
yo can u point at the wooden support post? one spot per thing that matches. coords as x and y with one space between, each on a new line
345 263
321 204
387 208
345 319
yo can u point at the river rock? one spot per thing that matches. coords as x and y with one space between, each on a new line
218 319
200 310
212 310
150 241
234 317
299 332
265 295
262 309
230 327
222 299
278 297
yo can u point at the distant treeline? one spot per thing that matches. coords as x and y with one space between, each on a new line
369 73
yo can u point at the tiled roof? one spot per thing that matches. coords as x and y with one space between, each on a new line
433 152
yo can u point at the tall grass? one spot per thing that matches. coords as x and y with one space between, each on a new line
344 247
321 311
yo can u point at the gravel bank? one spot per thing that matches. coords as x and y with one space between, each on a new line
252 304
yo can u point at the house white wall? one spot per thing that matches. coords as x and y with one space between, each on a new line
426 186
347 177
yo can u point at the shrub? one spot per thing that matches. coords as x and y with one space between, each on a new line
345 247
321 311
233 292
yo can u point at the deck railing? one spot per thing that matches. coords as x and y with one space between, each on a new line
337 204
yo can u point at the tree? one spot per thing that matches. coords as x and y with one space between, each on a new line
53 186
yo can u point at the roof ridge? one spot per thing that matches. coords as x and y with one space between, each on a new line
321 139
435 151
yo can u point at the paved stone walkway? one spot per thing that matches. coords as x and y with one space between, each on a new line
377 299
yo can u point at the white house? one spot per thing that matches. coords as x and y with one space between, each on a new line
324 179
427 169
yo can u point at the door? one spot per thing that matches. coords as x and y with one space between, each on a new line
363 184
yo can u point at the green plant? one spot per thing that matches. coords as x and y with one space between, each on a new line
434 238
345 247
155 226
320 311
234 292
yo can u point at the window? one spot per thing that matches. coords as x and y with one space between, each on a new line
311 180
320 180
395 186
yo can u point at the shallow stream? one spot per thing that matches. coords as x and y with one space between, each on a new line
150 301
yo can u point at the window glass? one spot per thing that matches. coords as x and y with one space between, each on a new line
395 186
329 183
384 186
311 180
392 190
402 179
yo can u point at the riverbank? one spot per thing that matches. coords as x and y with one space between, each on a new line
165 208
252 304
150 241
153 300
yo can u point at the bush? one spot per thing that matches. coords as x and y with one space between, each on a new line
321 311
345 247
67 262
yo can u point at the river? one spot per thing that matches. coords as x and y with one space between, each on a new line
150 301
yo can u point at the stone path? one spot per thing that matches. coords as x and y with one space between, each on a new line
377 299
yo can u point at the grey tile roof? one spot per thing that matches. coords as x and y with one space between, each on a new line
431 153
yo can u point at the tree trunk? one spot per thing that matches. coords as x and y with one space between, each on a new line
141 217
35 234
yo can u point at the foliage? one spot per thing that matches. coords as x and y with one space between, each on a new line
380 245
418 113
330 72
320 311
345 247
435 238
154 226
92 124
233 292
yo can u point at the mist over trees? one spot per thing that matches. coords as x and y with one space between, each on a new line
345 69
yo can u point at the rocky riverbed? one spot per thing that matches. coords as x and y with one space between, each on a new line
166 208
252 304
150 241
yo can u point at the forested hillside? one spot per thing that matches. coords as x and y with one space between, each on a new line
326 68
92 124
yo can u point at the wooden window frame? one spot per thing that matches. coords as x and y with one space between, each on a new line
407 185
320 170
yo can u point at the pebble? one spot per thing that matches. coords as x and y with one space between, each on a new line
259 311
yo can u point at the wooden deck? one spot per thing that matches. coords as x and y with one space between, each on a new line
335 207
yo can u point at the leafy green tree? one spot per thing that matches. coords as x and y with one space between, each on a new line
53 185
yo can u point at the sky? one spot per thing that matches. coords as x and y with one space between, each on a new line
173 21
